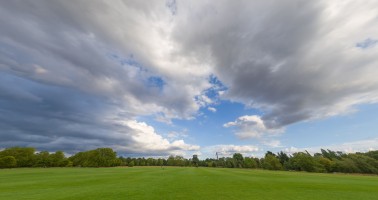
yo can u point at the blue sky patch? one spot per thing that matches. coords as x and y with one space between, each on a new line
367 43
155 81
172 6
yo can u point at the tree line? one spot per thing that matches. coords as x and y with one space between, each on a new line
326 161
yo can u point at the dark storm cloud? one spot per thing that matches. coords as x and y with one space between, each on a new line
60 89
53 114
54 117
67 44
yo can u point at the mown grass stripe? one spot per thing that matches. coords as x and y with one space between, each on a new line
181 183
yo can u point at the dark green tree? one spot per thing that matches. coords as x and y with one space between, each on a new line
195 160
325 163
101 157
283 157
365 164
42 159
230 162
249 163
24 155
58 159
171 161
271 162
8 162
372 154
238 158
303 162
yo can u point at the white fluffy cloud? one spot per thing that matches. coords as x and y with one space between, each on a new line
227 150
139 138
272 143
251 126
212 109
145 140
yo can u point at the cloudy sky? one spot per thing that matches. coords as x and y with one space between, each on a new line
158 78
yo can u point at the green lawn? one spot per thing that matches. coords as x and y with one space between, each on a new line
181 183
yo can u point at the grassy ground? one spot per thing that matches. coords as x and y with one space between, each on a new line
181 183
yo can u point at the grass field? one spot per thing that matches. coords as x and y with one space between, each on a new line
181 183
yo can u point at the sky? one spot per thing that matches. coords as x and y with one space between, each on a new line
174 77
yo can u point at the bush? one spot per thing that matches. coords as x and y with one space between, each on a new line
8 162
271 163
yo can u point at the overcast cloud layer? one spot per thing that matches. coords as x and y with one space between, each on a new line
296 60
77 75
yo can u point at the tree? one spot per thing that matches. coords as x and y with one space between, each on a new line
345 165
150 162
283 157
23 155
271 162
8 162
365 164
42 159
230 162
142 162
270 153
238 157
258 163
179 161
171 161
221 162
249 163
58 159
372 154
160 162
195 160
101 157
105 157
331 154
325 162
302 162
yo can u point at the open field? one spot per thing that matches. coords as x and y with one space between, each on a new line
181 183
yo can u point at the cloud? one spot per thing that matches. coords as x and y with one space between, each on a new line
251 126
70 72
347 147
272 143
145 140
172 6
57 118
295 61
227 150
175 135
212 109
104 53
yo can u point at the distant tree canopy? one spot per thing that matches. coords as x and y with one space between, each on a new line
101 157
271 162
27 157
326 161
195 160
8 162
